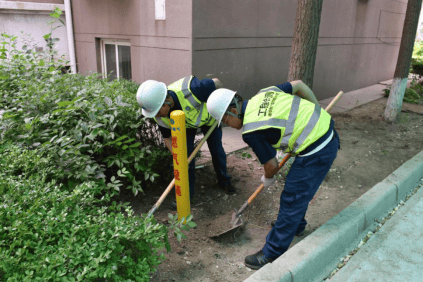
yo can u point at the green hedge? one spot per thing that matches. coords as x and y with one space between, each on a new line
51 233
77 141
92 125
417 59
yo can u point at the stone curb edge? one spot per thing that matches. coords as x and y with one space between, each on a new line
313 258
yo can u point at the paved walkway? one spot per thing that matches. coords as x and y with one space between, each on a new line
394 253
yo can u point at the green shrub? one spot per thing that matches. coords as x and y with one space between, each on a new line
417 59
76 141
92 125
412 94
52 233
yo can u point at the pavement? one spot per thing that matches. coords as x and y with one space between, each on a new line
386 254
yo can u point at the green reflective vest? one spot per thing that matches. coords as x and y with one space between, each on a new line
196 113
301 122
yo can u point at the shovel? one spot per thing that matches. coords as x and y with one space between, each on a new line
172 183
236 220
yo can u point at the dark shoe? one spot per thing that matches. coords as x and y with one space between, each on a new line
301 233
257 260
228 188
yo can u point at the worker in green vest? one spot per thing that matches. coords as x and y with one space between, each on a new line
189 95
286 117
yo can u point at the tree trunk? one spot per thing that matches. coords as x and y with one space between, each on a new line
399 84
304 41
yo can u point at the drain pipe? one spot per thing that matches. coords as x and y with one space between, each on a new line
69 31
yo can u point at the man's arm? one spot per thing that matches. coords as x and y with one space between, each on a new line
301 89
271 168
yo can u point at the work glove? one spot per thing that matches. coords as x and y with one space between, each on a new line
267 182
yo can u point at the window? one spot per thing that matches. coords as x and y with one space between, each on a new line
116 59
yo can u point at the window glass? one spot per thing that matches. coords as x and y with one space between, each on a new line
111 61
125 61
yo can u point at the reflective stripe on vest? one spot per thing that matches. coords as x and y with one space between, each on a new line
188 95
295 106
309 127
196 113
288 125
162 122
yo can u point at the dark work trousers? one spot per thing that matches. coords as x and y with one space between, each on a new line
303 180
218 155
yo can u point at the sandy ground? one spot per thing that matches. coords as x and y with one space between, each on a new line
370 150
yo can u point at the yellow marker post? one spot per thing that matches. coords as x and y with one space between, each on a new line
180 163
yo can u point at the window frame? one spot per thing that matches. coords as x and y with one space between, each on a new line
116 42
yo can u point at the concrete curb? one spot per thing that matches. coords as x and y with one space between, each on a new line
317 255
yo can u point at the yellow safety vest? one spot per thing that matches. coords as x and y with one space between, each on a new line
196 114
301 122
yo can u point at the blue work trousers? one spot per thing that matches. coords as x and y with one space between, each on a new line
303 180
218 155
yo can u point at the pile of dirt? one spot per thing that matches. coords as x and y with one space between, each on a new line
371 149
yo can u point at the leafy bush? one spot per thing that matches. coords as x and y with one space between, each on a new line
50 233
417 59
76 141
412 94
90 124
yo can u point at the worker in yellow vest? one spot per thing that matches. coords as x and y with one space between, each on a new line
189 95
286 117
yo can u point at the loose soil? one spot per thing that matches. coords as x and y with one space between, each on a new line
371 149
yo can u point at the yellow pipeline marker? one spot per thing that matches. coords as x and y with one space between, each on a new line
180 163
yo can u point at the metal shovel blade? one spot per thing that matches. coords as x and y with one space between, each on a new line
235 223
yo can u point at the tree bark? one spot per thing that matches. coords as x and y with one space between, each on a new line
304 41
399 84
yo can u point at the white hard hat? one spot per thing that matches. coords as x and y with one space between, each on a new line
150 96
218 102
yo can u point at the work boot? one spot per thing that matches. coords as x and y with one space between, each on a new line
257 260
301 233
228 188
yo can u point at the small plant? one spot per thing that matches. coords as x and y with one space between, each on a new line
179 225
412 94
246 155
50 40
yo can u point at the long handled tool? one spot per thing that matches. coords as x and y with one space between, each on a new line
172 183
236 221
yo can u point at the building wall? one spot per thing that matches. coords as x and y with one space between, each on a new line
39 1
247 44
29 21
160 50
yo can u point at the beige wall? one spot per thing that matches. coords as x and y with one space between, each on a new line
160 50
39 1
247 44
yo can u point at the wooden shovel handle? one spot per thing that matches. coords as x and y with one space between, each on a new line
285 159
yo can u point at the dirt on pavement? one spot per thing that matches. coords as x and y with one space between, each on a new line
371 149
